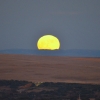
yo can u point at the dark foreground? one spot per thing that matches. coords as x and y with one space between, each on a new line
24 90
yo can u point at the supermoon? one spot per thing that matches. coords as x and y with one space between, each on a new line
48 42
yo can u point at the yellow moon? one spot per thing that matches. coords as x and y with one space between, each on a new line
48 42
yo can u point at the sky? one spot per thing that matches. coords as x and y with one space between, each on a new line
76 23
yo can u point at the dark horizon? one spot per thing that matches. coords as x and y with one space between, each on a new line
71 52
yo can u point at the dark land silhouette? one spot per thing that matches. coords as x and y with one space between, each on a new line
30 77
70 52
24 90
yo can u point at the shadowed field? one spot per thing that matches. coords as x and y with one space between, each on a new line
50 69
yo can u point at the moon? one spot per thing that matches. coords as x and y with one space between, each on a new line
48 42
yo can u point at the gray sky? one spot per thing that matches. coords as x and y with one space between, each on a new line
75 22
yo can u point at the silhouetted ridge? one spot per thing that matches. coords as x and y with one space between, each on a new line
75 53
24 90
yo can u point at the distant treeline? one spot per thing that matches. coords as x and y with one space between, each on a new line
17 83
14 83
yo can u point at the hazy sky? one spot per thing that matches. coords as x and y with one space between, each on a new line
75 22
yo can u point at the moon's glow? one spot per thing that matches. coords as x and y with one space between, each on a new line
48 42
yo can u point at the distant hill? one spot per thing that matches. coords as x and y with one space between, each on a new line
75 53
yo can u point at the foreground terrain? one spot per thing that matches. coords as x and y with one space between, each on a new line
24 90
50 69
